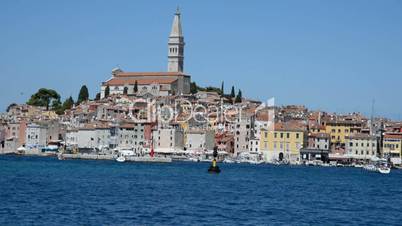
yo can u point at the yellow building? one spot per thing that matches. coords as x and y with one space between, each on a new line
339 130
282 144
392 147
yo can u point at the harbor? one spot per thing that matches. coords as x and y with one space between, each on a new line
115 193
375 165
113 157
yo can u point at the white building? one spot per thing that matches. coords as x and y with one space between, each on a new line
36 136
89 137
361 146
242 133
254 145
131 136
200 140
319 141
168 139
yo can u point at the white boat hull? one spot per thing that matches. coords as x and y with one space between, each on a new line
121 159
384 170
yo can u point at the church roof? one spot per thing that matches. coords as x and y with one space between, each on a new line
140 81
134 74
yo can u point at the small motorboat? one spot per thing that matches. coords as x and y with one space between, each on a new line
121 159
370 167
384 169
228 161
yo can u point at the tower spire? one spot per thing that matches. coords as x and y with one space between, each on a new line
176 45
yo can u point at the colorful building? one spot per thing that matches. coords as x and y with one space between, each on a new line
283 144
339 130
392 147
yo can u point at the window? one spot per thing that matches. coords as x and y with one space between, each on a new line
287 135
297 135
351 144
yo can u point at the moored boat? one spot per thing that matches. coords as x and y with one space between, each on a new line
384 170
121 159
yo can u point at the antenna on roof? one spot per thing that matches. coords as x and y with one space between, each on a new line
372 117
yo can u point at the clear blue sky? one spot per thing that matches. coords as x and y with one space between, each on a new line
327 55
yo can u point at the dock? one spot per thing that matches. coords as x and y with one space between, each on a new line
113 157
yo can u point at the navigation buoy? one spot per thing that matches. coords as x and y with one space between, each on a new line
214 168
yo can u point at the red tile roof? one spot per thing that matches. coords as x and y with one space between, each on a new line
393 136
131 81
135 74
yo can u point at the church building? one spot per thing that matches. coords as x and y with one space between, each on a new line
172 82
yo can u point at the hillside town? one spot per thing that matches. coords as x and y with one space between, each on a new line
167 115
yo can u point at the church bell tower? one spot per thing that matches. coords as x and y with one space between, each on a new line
176 46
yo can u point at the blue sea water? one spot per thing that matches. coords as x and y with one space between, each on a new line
46 191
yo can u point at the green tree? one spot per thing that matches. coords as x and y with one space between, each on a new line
97 97
232 93
44 97
135 87
222 89
10 106
83 95
212 89
193 88
238 97
68 103
57 107
107 91
125 91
